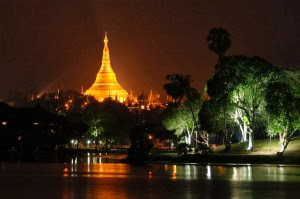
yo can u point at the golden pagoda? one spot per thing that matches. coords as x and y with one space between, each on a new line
106 84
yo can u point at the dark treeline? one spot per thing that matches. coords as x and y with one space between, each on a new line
67 120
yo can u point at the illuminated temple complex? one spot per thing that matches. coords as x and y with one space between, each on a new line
106 84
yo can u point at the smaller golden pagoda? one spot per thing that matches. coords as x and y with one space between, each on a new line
106 84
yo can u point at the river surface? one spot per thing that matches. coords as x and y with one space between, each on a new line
98 177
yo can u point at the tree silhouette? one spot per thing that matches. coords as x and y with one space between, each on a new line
179 87
218 41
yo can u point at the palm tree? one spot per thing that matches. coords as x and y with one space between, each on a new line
179 87
218 41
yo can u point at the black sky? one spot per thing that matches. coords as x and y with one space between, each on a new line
48 43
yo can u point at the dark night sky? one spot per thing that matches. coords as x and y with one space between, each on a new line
44 44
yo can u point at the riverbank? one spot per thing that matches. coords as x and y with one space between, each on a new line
175 158
264 153
261 147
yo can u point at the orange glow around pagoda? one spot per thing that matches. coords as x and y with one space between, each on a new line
106 84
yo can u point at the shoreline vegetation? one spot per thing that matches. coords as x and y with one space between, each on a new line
263 153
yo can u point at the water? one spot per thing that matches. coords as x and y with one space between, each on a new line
95 177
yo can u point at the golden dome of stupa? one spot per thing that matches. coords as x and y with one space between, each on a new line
106 84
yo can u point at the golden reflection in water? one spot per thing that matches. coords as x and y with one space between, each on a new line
102 170
221 170
174 172
90 189
150 175
112 192
111 170
166 167
65 170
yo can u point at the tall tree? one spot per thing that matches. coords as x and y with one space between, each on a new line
219 41
140 144
241 81
180 89
180 120
283 104
94 121
216 118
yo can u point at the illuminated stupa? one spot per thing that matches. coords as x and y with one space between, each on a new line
106 84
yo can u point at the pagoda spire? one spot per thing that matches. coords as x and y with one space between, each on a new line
106 66
105 56
106 81
82 91
150 97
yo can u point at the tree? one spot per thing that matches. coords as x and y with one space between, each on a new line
292 78
219 107
94 121
109 120
216 118
140 144
218 41
248 96
70 104
151 120
283 108
241 82
180 120
180 89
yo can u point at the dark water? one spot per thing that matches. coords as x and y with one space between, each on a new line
94 177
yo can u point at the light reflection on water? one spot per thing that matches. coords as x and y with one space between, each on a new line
96 166
96 177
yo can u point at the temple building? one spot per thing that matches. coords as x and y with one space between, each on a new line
106 84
